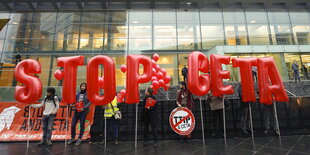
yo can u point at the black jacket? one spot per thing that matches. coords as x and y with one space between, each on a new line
149 114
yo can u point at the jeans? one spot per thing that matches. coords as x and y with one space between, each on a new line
112 124
268 110
48 122
150 120
78 116
296 75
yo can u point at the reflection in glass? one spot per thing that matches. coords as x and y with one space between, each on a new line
302 34
256 17
231 17
278 17
164 17
235 35
281 34
300 17
258 34
187 17
137 17
211 17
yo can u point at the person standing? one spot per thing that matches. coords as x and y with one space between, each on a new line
245 114
81 109
304 69
110 110
184 73
295 69
184 99
216 106
51 105
149 115
269 110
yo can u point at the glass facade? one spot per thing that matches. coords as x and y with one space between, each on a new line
173 34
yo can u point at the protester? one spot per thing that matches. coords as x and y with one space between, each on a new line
51 105
216 106
81 109
149 115
111 114
184 73
304 70
245 114
296 72
268 110
184 99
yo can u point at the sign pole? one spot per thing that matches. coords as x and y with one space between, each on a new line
28 122
202 126
105 130
251 122
67 121
136 132
224 123
276 118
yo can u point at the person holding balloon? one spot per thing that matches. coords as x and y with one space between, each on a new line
51 106
81 109
149 115
184 99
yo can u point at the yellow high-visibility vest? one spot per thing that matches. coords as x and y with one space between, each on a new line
108 112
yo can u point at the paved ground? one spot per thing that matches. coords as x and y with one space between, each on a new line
299 145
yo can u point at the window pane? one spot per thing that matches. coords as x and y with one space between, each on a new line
208 43
212 30
281 34
300 17
234 17
116 30
302 34
93 17
258 34
164 17
117 44
188 30
235 35
187 17
278 17
256 17
140 31
164 31
140 44
165 44
211 17
136 17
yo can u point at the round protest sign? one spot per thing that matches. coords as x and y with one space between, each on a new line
182 121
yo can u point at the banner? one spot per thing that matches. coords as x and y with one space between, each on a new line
14 119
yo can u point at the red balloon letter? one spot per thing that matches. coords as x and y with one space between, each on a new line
267 69
32 91
134 78
70 65
198 84
217 75
245 68
109 80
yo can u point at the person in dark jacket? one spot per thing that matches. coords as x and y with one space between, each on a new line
296 72
184 73
81 109
245 114
184 99
149 115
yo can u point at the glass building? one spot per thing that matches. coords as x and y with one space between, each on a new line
45 34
